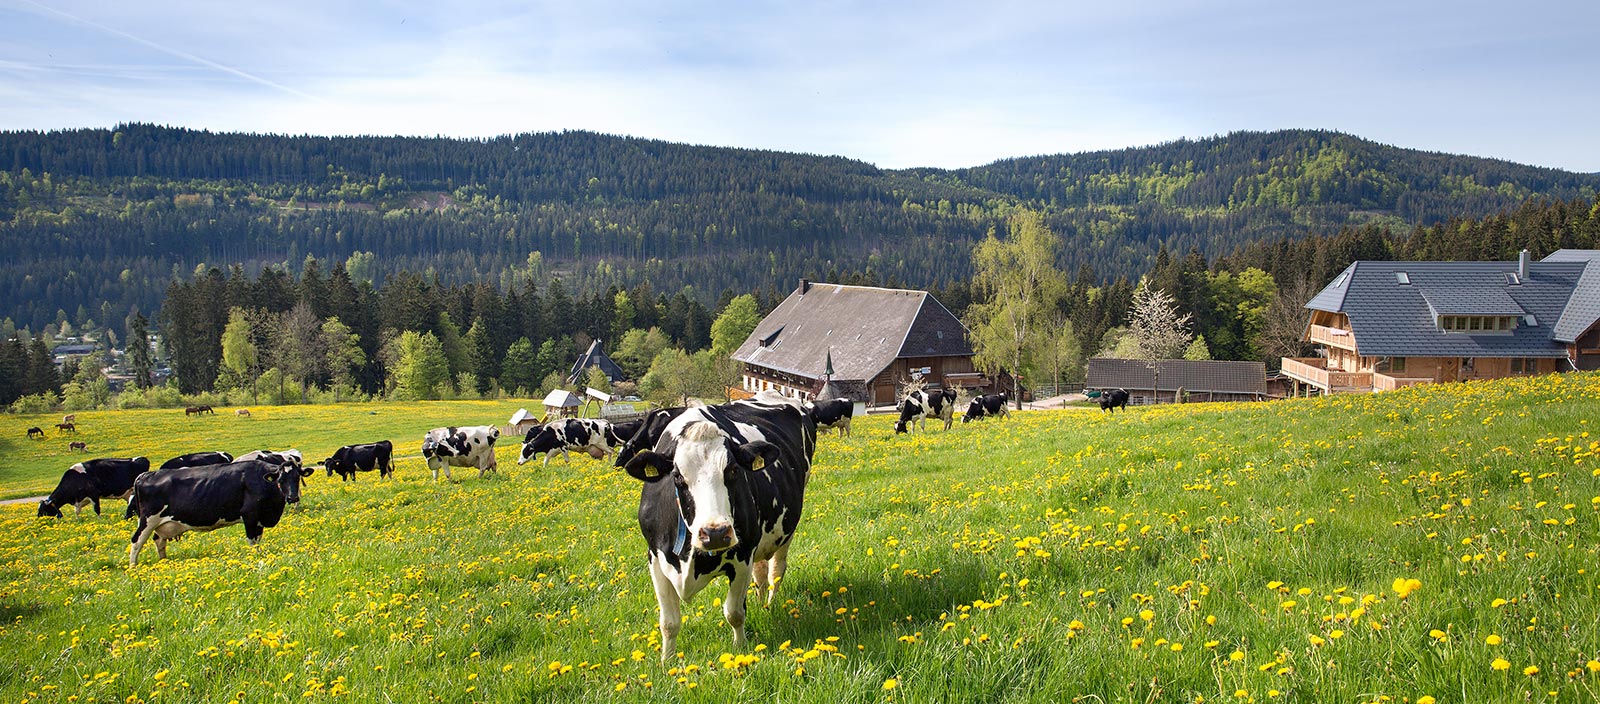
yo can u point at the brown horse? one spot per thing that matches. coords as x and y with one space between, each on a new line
67 427
36 432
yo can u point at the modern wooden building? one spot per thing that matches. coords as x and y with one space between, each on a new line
1385 325
877 339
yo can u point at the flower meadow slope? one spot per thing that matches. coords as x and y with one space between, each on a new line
1433 544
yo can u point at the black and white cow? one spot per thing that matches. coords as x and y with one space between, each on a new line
723 491
90 481
920 405
649 431
288 458
591 435
173 502
471 446
990 405
348 460
198 459
834 414
1112 399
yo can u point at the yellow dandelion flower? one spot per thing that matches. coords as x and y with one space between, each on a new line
1500 664
890 683
1493 639
1530 670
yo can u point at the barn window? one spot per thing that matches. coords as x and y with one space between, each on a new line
1397 365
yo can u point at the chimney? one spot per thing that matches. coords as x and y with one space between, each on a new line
805 286
1522 265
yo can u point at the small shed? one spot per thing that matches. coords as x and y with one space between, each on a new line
1179 380
561 403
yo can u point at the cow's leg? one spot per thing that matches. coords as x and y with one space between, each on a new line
141 533
844 428
161 547
96 505
776 566
667 605
733 608
253 531
758 572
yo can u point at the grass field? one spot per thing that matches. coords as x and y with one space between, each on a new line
1434 544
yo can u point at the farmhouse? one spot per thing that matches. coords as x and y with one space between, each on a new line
595 356
876 339
1180 380
1385 325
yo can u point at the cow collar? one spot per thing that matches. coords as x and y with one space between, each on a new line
680 545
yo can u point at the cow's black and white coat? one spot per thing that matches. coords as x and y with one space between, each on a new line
920 405
173 502
348 460
198 459
647 434
991 405
1112 399
834 414
581 434
723 492
89 481
471 446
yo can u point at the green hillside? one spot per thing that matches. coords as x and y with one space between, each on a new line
1435 542
102 220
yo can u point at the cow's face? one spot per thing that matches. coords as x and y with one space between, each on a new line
540 440
899 426
708 469
288 479
49 510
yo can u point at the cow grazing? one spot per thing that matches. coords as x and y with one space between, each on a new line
242 413
991 405
78 446
723 492
90 481
833 414
198 459
461 447
171 503
348 460
920 405
1113 399
650 429
591 435
36 432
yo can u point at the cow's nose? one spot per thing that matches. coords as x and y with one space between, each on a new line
716 536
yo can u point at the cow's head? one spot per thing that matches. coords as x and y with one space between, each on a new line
650 430
899 426
287 478
48 509
541 439
707 468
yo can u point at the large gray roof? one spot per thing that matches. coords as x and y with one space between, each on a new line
866 329
1194 376
1392 319
1583 311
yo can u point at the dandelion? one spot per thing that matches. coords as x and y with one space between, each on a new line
1500 664
890 684
1493 639
1425 699
1403 587
1530 670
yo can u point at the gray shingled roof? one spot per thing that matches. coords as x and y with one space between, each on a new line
1583 310
1469 301
1390 319
866 328
1194 376
1573 255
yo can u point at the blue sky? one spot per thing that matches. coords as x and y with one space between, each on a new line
898 84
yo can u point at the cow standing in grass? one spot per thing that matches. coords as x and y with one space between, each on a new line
461 447
920 405
723 492
1113 399
90 481
833 414
348 460
988 406
173 502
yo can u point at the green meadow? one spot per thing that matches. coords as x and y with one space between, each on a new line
1433 544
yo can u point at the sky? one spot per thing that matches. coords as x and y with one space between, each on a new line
897 84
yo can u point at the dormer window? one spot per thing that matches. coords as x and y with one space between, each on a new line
1471 324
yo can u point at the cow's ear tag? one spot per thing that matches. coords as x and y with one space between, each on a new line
758 463
651 471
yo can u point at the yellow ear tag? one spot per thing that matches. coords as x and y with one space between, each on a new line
651 471
758 463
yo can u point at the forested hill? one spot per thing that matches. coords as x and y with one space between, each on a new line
98 221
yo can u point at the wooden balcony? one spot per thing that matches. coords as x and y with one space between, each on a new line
1384 382
1314 371
1332 337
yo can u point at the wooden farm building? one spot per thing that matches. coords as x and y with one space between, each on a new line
1179 380
877 338
1385 325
